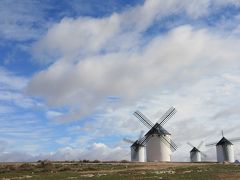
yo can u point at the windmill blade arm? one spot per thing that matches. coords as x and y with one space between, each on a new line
190 144
144 140
203 154
167 116
173 146
143 119
211 144
144 122
128 140
235 139
200 145
140 135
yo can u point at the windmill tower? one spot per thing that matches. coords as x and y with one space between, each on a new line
138 151
224 149
195 153
157 140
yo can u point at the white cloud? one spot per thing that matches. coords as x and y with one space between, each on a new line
64 140
10 81
86 36
102 57
182 56
6 109
18 20
53 114
97 151
15 157
12 91
234 78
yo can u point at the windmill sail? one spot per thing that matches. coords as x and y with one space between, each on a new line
190 144
200 145
211 144
128 140
203 154
143 119
173 146
167 116
235 139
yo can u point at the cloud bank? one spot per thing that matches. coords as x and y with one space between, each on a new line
180 57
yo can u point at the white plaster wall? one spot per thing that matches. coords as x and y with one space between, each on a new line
139 155
229 157
157 149
195 156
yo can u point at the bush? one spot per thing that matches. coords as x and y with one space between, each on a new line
124 161
85 161
65 168
96 161
46 165
26 167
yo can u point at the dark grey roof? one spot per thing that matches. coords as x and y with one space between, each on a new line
136 144
163 131
194 150
224 141
157 129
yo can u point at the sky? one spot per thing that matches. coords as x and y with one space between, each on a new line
73 72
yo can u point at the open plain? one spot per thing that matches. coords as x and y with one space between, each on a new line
118 170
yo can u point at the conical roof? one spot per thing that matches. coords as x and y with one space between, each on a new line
194 150
163 131
157 129
136 144
224 141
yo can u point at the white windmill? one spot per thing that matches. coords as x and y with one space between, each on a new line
157 140
138 153
224 149
195 153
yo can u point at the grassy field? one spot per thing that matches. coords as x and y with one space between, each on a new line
79 170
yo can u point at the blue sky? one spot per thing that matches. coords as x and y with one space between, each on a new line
73 72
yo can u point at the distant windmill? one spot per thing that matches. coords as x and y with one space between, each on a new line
224 149
157 140
195 153
137 149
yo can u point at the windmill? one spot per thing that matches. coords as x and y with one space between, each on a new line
157 140
137 149
195 153
224 149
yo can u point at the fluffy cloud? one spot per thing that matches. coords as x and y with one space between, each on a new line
86 36
102 57
16 157
12 92
97 151
86 83
18 20
10 81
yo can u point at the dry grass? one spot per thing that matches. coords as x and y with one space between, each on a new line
117 170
